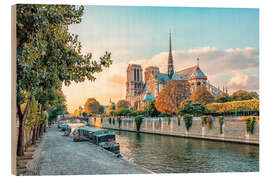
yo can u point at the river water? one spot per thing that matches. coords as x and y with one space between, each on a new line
167 154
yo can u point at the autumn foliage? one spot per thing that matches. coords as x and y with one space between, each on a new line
122 104
233 106
91 106
170 97
201 95
244 95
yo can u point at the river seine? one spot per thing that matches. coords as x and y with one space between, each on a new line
167 154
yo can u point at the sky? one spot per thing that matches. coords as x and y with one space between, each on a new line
225 39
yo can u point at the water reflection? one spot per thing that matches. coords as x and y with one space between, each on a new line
166 154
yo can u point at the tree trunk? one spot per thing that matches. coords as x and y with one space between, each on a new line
41 130
20 137
22 118
34 136
37 133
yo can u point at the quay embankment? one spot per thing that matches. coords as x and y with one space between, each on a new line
233 129
59 155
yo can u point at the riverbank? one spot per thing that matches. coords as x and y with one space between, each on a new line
233 129
59 155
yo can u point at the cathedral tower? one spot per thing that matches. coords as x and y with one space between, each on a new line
134 82
170 60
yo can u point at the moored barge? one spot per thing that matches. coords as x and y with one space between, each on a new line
101 137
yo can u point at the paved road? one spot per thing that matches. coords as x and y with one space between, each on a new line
59 155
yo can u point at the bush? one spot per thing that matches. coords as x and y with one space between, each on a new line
187 107
250 121
122 112
110 120
188 121
234 106
203 120
178 121
150 109
138 121
119 120
169 120
221 122
209 122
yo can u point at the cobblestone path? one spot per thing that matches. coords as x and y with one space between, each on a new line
59 155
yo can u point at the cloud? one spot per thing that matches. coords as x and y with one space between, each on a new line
243 81
238 80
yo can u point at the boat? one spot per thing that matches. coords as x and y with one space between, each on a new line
113 147
107 136
85 133
101 137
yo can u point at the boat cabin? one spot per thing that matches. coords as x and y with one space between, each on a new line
86 133
109 136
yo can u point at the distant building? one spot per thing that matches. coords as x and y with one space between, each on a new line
139 91
106 107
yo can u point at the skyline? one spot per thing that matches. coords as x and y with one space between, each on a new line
224 36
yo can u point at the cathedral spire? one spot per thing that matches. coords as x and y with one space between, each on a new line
170 59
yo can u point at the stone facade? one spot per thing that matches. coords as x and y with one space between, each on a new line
134 84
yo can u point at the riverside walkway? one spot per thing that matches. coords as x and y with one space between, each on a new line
59 155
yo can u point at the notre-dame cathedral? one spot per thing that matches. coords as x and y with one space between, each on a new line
139 91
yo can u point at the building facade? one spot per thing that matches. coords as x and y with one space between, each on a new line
138 91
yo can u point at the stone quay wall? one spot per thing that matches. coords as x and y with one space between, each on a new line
234 128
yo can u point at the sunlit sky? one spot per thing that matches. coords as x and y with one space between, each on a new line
226 40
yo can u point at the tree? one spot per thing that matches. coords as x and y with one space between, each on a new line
136 105
84 114
241 95
254 95
123 112
223 98
46 99
122 104
58 109
187 107
110 110
34 118
251 105
150 109
77 112
170 97
201 95
48 54
101 109
81 110
91 106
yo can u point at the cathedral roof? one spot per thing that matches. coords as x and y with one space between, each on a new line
180 76
148 97
192 72
163 77
187 70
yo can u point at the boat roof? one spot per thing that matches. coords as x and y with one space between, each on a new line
91 129
104 134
